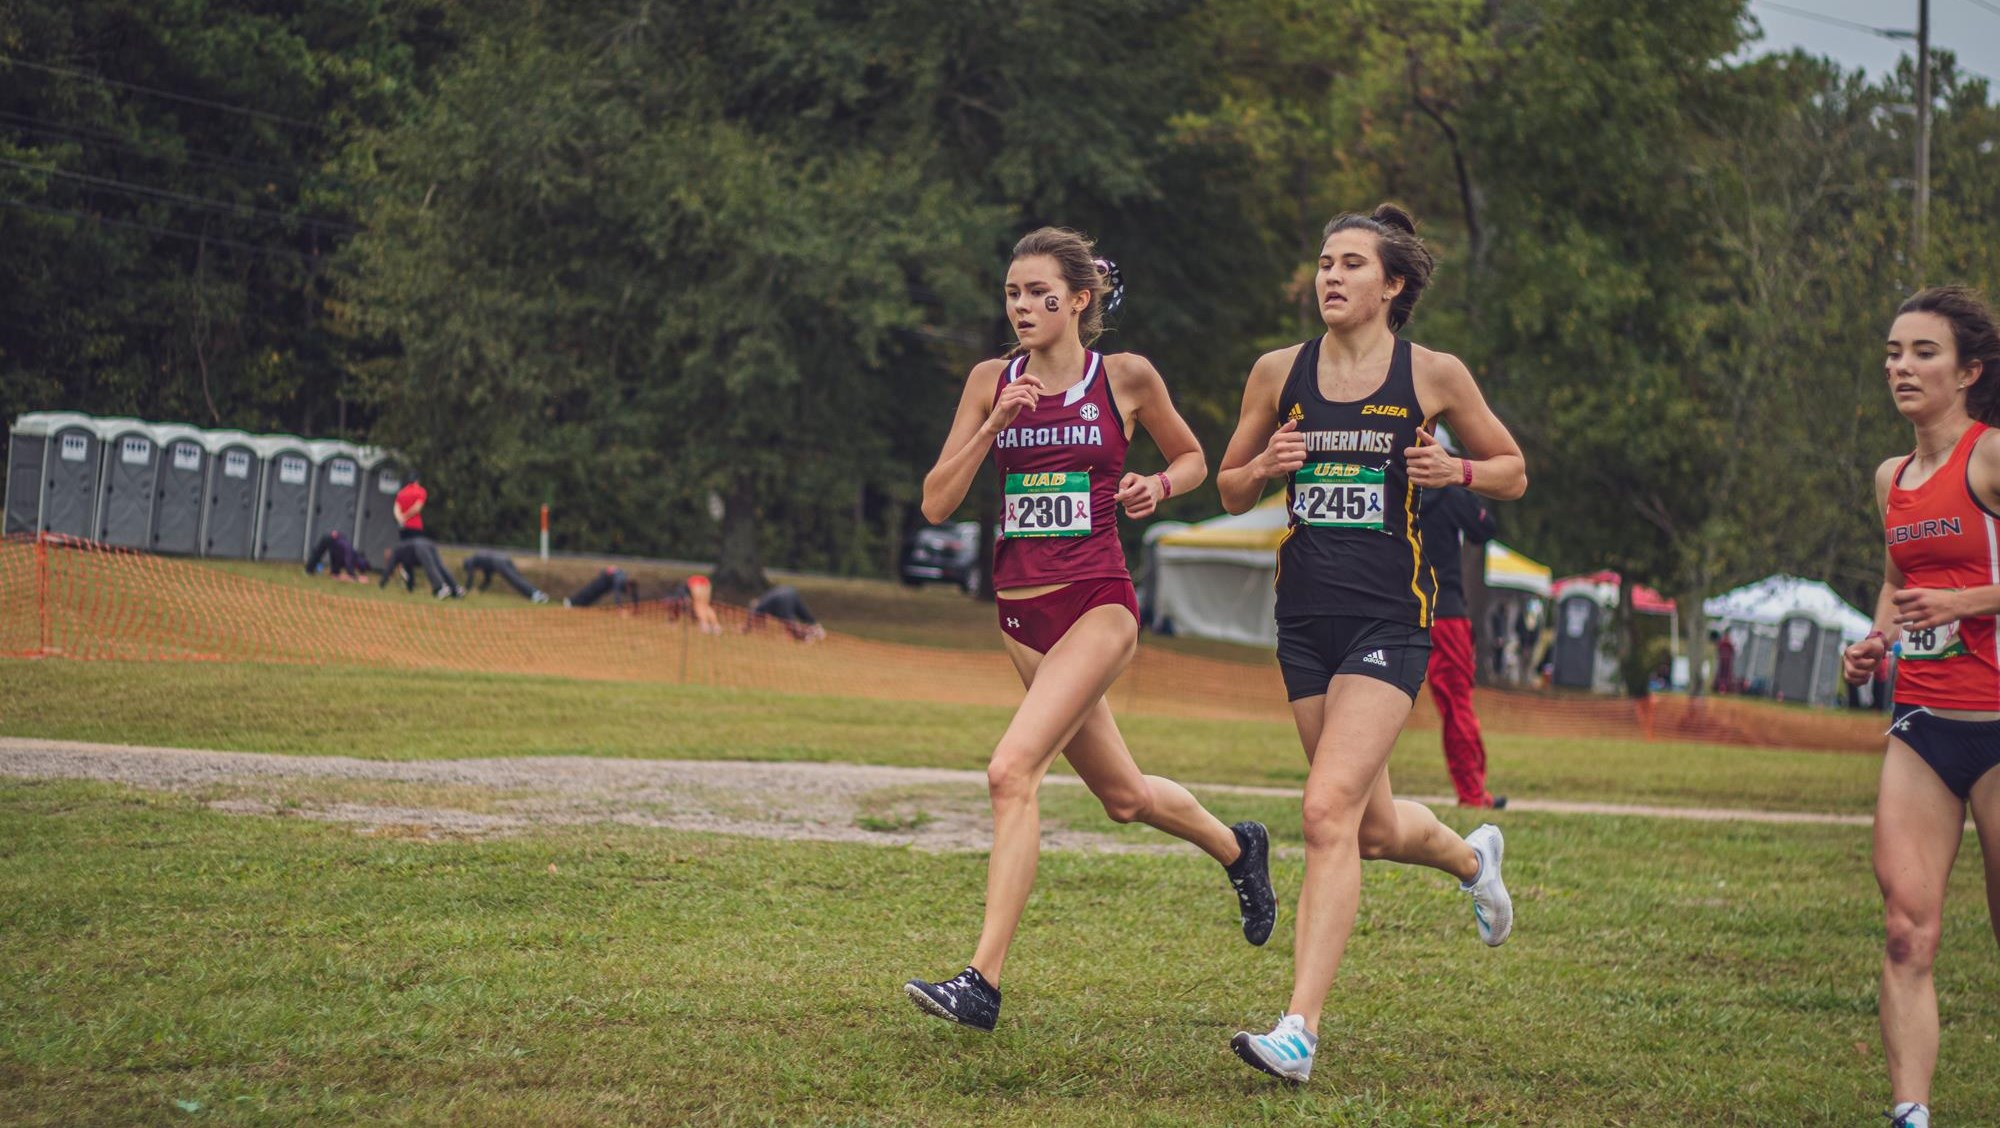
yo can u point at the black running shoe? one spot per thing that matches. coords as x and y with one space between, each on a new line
1250 874
965 998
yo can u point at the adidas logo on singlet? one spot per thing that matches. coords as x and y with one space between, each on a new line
1377 659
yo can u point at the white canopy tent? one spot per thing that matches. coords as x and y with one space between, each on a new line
1787 633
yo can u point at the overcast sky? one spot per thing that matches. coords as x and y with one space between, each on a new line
1967 27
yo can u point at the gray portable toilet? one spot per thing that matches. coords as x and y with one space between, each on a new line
126 482
1798 654
1578 617
182 482
229 505
27 446
382 477
70 476
336 501
284 508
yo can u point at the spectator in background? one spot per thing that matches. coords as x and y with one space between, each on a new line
691 597
1725 661
409 508
343 560
490 563
783 604
1450 517
420 552
611 581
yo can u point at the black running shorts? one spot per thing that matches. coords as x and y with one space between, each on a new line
1958 751
1313 648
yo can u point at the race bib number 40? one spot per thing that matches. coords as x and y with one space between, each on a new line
1338 495
1931 643
1048 505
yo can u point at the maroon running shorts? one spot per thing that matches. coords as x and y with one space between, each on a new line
1039 622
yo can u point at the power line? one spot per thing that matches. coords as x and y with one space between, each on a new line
85 135
1803 13
1986 4
169 231
261 115
240 210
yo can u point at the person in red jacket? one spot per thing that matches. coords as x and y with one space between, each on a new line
409 508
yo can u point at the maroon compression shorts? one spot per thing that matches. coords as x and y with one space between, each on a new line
1039 622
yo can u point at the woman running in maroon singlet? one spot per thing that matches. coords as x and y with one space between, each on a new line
1940 595
1057 418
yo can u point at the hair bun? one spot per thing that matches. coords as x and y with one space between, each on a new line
1390 215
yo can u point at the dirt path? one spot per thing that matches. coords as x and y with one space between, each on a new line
929 808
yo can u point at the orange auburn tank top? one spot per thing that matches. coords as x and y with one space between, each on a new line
1940 536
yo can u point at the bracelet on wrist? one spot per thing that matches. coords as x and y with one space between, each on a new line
1166 485
1467 463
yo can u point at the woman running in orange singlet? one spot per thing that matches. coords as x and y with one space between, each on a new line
1057 418
1940 593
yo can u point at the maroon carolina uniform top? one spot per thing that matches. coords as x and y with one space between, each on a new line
1076 430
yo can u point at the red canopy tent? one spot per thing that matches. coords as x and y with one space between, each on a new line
1604 585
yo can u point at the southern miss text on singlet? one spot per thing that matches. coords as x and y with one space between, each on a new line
1353 546
1042 456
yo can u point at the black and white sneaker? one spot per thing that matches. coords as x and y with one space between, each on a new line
965 998
1250 875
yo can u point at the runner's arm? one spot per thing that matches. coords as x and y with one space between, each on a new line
1136 382
1446 389
1253 456
965 447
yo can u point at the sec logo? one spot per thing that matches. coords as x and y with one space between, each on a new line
1089 413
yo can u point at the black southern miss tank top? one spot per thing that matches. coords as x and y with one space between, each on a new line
1354 546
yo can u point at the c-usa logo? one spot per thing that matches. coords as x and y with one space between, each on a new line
1089 413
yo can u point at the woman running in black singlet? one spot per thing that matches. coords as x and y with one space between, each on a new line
1057 419
1345 420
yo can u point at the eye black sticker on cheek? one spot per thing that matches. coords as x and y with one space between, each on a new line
1053 303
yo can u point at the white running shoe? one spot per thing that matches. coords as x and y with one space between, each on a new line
1492 908
1286 1052
1909 1114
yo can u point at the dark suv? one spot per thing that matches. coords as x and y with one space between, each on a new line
943 553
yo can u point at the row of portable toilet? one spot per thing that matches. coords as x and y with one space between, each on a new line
168 487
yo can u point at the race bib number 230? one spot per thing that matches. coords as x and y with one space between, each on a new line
1047 505
1338 495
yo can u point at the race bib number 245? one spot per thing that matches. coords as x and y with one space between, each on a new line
1338 495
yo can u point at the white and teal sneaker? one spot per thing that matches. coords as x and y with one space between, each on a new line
1492 908
1909 1114
1286 1052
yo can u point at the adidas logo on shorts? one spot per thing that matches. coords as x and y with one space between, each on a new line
1377 659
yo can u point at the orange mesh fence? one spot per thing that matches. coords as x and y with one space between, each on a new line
63 599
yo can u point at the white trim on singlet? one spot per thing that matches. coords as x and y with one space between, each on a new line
1993 576
1076 391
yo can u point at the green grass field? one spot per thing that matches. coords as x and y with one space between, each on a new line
164 963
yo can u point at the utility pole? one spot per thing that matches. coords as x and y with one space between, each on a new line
1923 136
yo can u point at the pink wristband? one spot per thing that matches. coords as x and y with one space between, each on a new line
1467 463
1166 485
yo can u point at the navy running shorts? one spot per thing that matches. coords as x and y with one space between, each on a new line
1958 751
1313 648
